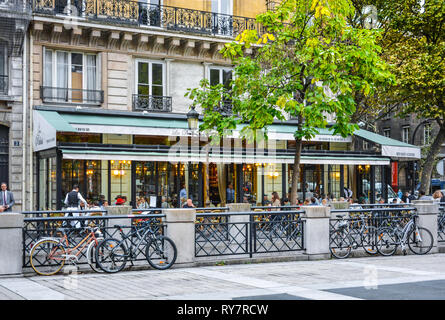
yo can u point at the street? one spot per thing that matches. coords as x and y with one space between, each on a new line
383 278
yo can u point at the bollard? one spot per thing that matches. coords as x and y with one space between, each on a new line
316 231
235 223
11 243
428 212
181 229
118 211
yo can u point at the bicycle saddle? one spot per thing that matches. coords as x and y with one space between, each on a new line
118 226
340 216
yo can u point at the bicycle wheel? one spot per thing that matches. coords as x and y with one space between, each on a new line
47 257
111 255
386 241
340 244
420 240
161 252
369 240
91 255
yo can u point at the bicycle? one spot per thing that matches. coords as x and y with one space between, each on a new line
112 254
342 242
56 251
418 239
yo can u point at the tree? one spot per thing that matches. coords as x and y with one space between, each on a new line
415 47
307 66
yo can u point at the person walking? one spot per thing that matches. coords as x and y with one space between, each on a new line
72 201
7 198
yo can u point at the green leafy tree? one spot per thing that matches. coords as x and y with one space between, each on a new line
308 66
415 47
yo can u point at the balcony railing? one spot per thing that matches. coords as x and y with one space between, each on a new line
152 103
4 85
68 95
143 14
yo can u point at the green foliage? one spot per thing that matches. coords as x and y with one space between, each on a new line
309 65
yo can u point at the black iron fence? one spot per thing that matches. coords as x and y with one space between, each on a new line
143 14
248 233
39 225
357 221
441 223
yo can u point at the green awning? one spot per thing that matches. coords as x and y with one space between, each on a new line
58 122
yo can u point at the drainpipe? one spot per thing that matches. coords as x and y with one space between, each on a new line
30 140
24 116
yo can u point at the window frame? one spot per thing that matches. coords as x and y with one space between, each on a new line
406 131
150 79
427 128
387 132
54 72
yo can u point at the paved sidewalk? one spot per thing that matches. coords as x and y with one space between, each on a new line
397 277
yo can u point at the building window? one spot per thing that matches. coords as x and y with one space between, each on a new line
222 6
151 87
427 130
71 77
387 132
221 75
3 70
405 134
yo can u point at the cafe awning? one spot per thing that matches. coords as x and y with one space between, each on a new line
390 147
218 158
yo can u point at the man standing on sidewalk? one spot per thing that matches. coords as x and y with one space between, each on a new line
7 198
72 200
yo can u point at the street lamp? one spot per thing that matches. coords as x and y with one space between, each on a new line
192 118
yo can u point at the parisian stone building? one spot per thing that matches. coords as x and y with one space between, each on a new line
14 123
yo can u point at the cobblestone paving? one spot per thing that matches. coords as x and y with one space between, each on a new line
325 279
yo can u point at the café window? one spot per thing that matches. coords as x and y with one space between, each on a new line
71 77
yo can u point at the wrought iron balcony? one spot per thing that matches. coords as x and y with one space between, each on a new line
68 95
143 14
4 85
152 103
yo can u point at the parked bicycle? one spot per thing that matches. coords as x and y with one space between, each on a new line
160 251
49 255
350 234
418 239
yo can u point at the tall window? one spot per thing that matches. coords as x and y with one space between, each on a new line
405 134
222 6
220 75
150 78
3 70
387 132
427 130
70 77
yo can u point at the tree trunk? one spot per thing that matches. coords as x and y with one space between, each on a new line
425 180
296 172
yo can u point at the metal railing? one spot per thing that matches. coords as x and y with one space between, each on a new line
441 223
4 84
38 225
152 103
69 95
150 15
376 217
226 234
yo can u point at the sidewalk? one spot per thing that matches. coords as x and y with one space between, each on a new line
326 279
